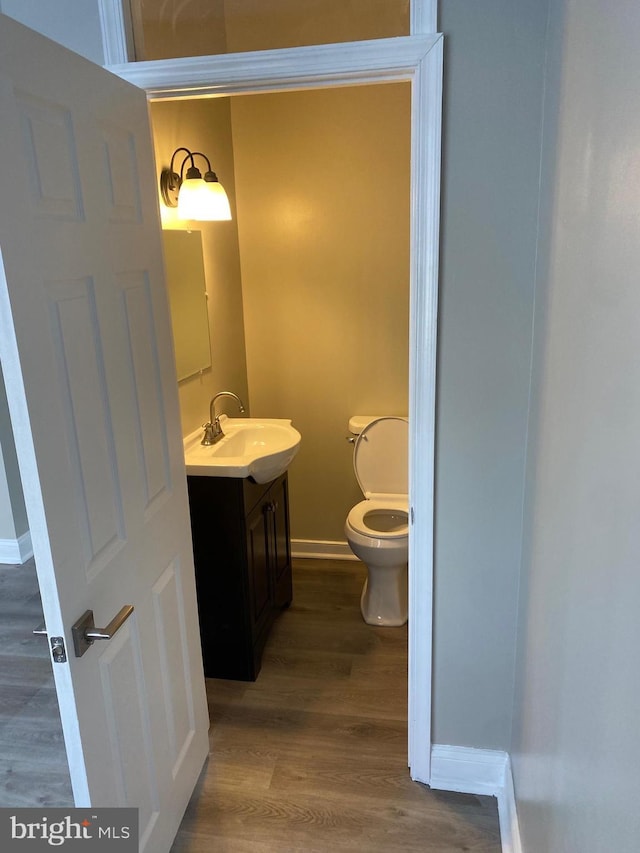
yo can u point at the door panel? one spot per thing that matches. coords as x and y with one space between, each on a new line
258 568
128 725
50 159
283 588
85 343
88 430
281 527
121 180
144 367
171 631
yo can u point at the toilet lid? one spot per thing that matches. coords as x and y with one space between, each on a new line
380 457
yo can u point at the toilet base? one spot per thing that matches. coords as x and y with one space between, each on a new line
384 596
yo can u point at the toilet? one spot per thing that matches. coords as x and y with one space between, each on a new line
377 528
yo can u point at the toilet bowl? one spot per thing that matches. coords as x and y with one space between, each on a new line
377 528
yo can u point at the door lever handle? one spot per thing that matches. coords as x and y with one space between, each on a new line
84 631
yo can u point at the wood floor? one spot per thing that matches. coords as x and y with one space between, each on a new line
33 762
312 756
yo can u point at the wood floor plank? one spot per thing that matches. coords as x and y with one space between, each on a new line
307 663
327 823
371 776
313 756
340 698
25 670
29 783
278 729
33 762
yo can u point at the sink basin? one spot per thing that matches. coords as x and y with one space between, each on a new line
261 448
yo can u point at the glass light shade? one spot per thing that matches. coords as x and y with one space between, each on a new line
203 200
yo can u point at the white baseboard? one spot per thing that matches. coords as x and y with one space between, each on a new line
480 771
321 550
470 771
509 826
16 551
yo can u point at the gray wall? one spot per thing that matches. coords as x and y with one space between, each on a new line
491 153
576 746
8 534
73 23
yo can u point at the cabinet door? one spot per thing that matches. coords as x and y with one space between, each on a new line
258 568
280 543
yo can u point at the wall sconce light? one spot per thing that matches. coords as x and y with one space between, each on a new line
195 197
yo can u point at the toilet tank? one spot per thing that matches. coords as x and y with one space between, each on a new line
358 422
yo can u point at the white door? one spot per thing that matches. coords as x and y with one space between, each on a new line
85 343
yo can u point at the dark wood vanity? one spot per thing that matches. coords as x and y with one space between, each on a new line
242 552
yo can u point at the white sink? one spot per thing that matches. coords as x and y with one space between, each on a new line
261 448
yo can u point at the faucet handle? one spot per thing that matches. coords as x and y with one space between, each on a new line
209 434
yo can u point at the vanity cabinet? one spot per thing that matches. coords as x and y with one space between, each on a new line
242 553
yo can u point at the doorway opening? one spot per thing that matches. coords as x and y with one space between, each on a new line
308 297
417 60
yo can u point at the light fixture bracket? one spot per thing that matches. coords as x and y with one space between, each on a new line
170 183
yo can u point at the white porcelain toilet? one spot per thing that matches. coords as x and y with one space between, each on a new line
377 528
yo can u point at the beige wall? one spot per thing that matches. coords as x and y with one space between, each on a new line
199 27
323 212
257 25
322 184
204 125
163 29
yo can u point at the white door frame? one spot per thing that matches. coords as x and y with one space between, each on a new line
417 59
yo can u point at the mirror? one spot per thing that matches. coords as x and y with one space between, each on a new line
187 288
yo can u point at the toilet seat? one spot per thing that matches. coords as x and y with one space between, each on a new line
384 505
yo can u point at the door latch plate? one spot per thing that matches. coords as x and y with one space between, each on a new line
58 650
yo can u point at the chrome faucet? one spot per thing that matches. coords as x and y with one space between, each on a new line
212 430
